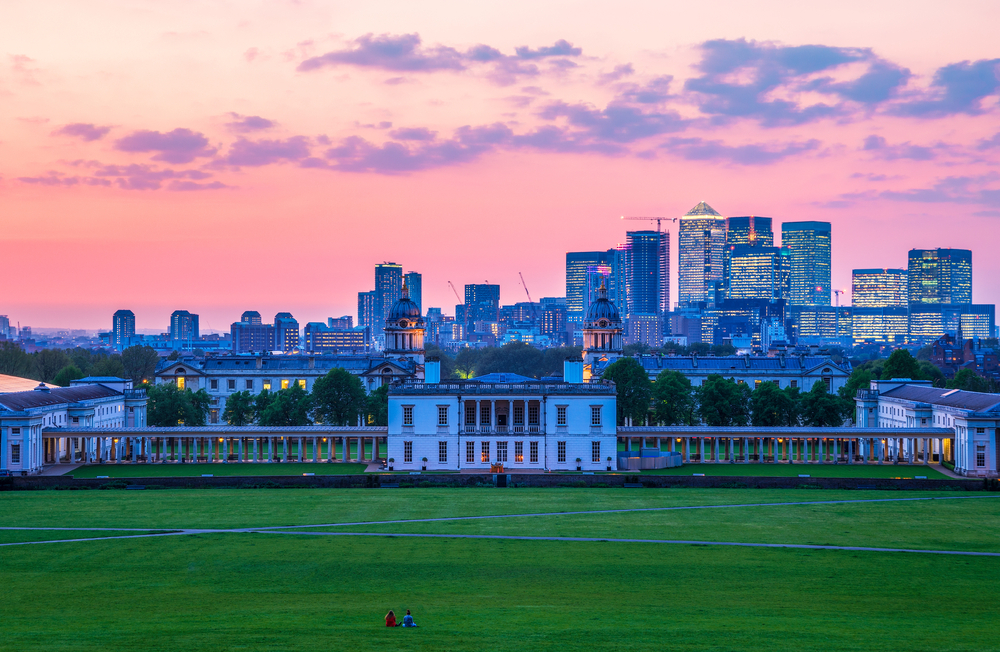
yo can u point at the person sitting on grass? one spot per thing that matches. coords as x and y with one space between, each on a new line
408 620
390 619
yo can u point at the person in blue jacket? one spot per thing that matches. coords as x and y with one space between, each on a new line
408 620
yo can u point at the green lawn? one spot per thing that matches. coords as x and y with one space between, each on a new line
173 470
814 470
18 536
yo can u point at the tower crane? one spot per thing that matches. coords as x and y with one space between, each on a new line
658 219
837 294
452 285
534 313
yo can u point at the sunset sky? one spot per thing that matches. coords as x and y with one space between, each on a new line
265 155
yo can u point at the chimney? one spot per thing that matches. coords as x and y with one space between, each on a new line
573 371
258 362
432 371
312 362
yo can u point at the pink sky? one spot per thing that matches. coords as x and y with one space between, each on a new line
225 156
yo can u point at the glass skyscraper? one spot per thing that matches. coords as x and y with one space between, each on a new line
701 244
414 285
581 269
747 230
940 276
388 288
757 272
647 263
879 300
482 302
808 246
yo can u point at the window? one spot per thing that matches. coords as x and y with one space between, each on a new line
533 447
501 451
407 451
76 419
484 452
561 449
249 384
231 384
980 431
560 415
407 415
793 383
595 451
595 415
980 455
533 415
442 452
442 415
756 384
519 451
15 431
266 384
518 413
284 383
180 382
470 452
470 413
15 453
302 383
214 383
484 414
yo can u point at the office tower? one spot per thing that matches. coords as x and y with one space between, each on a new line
286 332
414 285
183 325
808 246
4 327
345 323
250 317
878 288
123 328
388 289
940 276
249 335
581 267
482 303
757 272
646 257
929 321
750 231
366 310
701 243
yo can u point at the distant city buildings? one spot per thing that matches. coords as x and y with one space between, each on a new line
122 328
414 284
183 326
940 276
585 270
809 251
701 243
388 288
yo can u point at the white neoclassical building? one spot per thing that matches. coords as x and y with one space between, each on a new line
521 423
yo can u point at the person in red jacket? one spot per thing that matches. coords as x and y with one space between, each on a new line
390 619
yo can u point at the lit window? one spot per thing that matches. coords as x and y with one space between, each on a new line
595 451
595 415
561 450
302 383
442 415
561 415
407 415
756 384
519 451
501 451
470 452
266 384
284 383
484 452
180 382
407 451
533 447
442 452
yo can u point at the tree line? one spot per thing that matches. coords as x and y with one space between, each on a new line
62 366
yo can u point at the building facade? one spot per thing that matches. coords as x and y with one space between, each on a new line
809 253
414 282
757 272
585 271
388 288
940 276
646 257
184 326
701 243
122 329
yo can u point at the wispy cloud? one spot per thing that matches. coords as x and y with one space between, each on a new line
82 130
177 146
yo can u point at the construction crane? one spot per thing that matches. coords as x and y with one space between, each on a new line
452 285
837 294
658 219
534 313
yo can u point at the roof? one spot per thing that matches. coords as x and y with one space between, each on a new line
736 363
20 401
702 209
503 378
289 364
17 384
102 379
956 398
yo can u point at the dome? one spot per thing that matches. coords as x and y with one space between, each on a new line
602 310
405 312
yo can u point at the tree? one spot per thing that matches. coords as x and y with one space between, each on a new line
288 407
772 407
465 362
447 361
970 381
49 362
632 385
168 406
723 402
930 372
554 358
901 365
513 358
140 363
673 402
174 355
83 359
239 409
377 407
109 366
66 375
820 408
15 362
338 398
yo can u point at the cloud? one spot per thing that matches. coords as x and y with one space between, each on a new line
956 88
617 122
880 148
254 153
247 123
739 79
989 143
177 146
418 133
561 48
619 72
956 190
82 130
54 178
251 54
698 149
188 186
402 53
146 177
655 91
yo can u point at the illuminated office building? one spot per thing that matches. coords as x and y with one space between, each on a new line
647 262
808 246
750 231
582 268
757 272
879 300
388 289
701 244
940 276
415 286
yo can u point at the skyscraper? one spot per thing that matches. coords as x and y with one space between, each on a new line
808 246
366 309
414 285
388 288
123 328
749 231
286 332
757 272
482 302
940 276
647 261
701 244
878 288
580 266
183 325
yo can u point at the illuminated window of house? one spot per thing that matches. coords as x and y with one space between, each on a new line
302 383
284 383
484 451
180 382
519 451
266 384
756 384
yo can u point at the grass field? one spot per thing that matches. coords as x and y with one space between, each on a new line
270 591
814 470
218 469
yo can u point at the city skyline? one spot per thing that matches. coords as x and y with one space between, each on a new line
229 138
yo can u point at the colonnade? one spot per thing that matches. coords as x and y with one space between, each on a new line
92 449
513 415
802 450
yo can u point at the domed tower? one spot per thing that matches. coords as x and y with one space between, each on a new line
404 330
602 332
